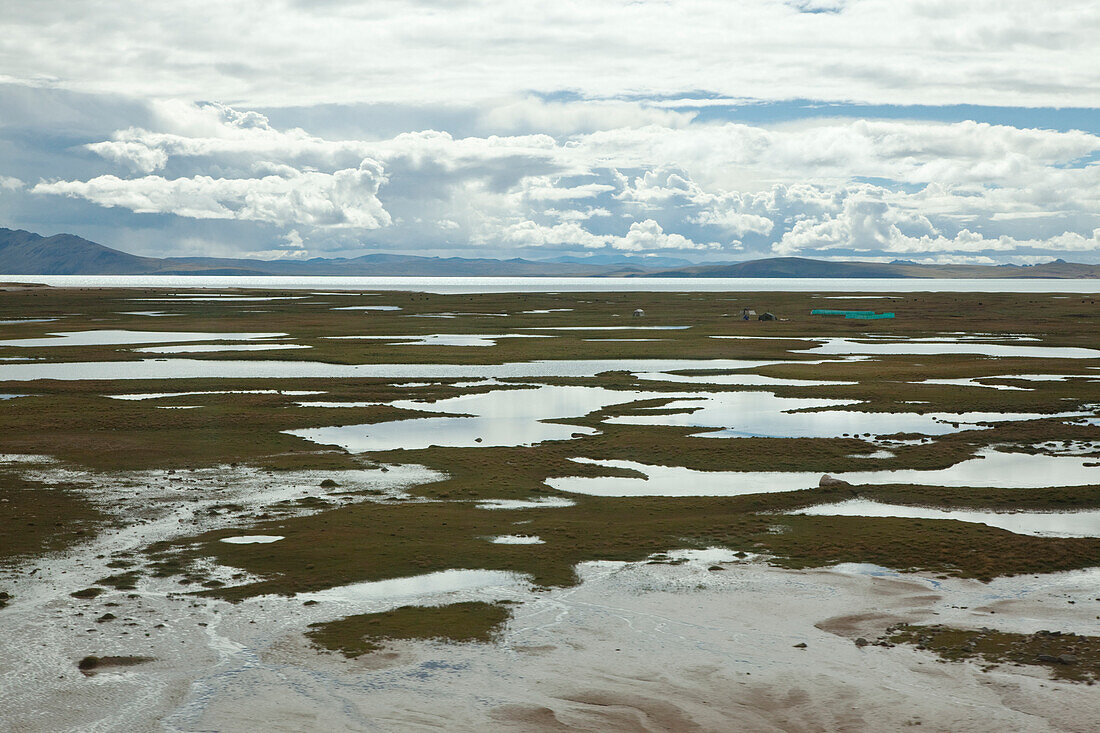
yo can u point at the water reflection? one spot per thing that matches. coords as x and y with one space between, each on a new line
498 418
993 469
109 337
446 581
1040 524
763 414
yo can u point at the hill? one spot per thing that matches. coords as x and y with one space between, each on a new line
26 253
802 267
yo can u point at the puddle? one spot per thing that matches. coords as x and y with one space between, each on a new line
678 481
17 321
990 469
446 581
547 502
218 298
151 314
11 396
742 380
606 328
367 308
599 340
111 337
158 395
711 555
1039 524
252 539
972 382
498 418
211 348
340 404
256 369
841 346
517 539
550 310
448 314
763 414
446 339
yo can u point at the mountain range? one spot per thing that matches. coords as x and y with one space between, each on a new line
26 253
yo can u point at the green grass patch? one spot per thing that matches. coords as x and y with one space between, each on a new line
473 621
1068 656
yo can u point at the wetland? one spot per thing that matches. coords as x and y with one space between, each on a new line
427 491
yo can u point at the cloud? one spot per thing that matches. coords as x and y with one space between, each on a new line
285 53
568 117
344 198
643 236
826 187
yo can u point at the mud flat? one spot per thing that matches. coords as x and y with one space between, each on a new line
687 641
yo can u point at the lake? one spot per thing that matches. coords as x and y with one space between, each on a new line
450 285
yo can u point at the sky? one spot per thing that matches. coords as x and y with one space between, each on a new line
709 130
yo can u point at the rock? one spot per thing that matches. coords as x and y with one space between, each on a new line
800 645
329 484
1049 658
1067 659
827 480
861 642
767 317
106 617
715 568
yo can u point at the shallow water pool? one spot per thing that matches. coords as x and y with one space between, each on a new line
993 469
1039 524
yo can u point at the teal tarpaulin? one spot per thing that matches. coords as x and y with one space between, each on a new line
872 317
861 315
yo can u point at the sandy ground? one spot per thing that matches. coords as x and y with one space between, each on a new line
634 647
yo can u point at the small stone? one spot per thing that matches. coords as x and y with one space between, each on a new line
800 645
1067 659
329 484
861 642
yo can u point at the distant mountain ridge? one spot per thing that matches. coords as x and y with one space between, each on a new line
26 253
802 267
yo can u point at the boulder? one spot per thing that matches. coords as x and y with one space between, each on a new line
827 480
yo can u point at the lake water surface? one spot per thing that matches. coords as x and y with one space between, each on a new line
446 285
